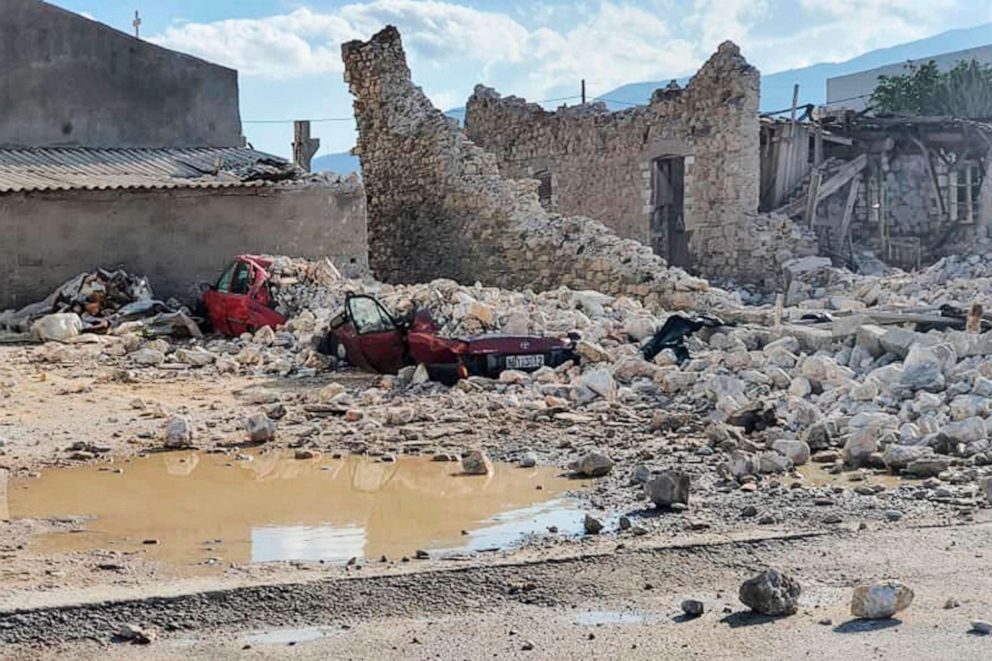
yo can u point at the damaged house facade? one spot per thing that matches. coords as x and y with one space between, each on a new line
681 174
906 190
117 152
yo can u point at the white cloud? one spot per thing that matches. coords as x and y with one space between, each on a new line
609 44
538 48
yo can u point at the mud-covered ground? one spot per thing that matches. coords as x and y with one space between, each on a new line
866 525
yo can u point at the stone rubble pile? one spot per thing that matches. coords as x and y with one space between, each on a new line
956 280
762 400
100 302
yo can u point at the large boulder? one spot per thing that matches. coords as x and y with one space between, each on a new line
860 445
260 427
880 600
593 464
965 431
928 466
897 457
924 368
771 593
476 463
593 385
667 488
178 432
797 451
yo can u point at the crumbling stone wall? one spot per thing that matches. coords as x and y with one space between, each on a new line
437 206
601 163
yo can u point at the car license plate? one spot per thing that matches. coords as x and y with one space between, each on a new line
525 362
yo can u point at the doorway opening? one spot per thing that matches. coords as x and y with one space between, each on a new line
669 237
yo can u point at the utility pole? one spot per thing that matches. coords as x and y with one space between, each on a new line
137 24
304 147
583 91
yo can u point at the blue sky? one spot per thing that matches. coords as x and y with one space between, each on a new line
288 51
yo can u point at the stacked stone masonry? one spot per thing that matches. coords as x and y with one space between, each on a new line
601 163
437 206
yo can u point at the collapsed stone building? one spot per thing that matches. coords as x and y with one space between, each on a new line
712 186
440 206
906 190
680 174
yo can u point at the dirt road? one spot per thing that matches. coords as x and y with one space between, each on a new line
620 603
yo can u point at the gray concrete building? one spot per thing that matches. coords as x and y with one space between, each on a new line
852 91
67 80
116 152
177 216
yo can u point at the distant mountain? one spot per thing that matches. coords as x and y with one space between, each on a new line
776 88
343 163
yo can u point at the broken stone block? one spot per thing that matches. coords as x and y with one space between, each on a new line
593 464
57 327
880 600
178 432
797 451
195 356
667 488
897 457
595 384
771 593
260 427
899 341
148 356
477 462
860 445
965 431
929 466
591 352
869 338
592 525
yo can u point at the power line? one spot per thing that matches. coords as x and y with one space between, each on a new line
350 119
290 121
623 103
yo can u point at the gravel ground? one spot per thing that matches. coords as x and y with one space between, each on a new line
622 603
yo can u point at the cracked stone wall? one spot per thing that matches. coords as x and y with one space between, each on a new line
600 163
438 207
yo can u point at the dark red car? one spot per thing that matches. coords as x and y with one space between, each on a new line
242 300
369 337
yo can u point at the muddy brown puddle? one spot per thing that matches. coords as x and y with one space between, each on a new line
190 508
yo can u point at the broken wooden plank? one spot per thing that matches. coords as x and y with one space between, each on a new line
845 223
842 176
812 197
934 181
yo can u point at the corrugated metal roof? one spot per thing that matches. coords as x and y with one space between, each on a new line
72 168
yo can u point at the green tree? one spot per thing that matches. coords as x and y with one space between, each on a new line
964 91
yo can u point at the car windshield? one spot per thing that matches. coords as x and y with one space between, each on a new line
368 316
224 284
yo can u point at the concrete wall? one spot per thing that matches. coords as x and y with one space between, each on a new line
67 80
842 89
176 237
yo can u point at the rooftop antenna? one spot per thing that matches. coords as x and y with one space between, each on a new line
137 24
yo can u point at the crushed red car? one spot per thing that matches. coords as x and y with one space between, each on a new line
242 300
369 337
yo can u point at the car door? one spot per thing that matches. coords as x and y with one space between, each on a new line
379 339
261 304
237 303
215 300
